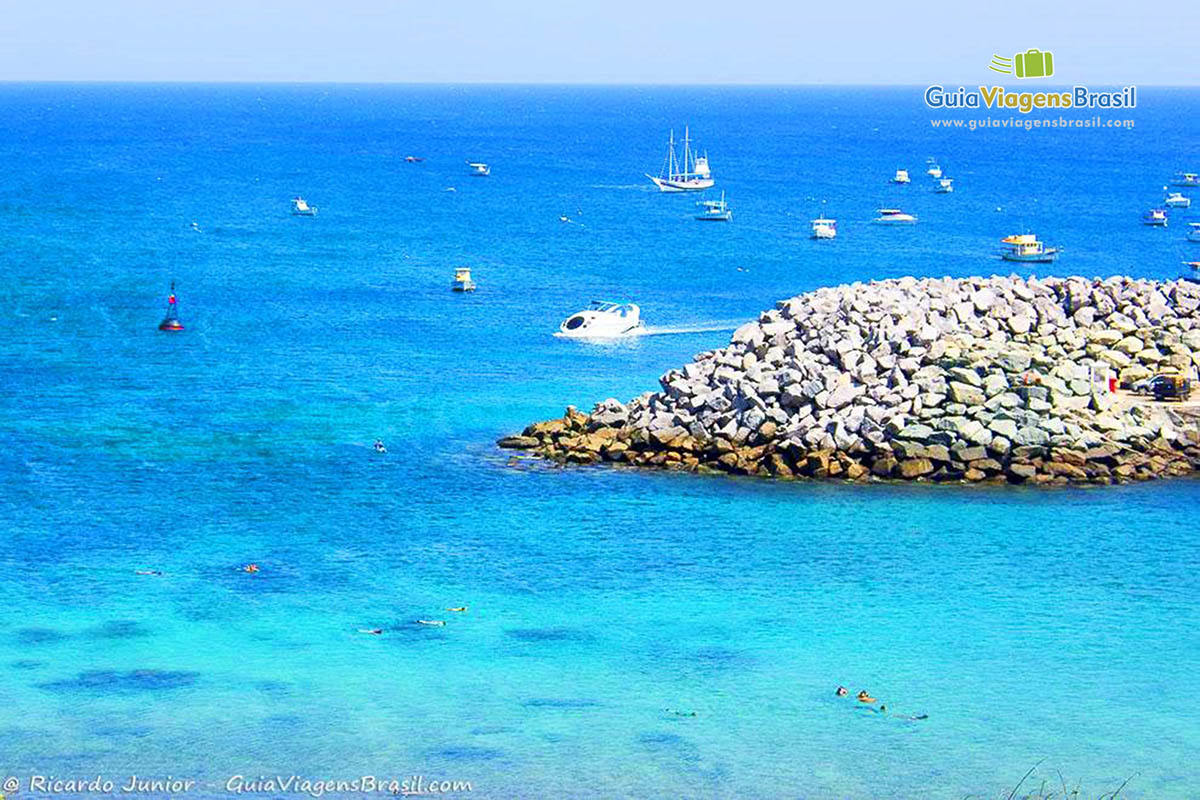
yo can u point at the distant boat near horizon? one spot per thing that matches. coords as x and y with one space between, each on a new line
479 169
824 228
944 186
414 159
901 177
689 174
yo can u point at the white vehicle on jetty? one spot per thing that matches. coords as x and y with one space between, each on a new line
603 320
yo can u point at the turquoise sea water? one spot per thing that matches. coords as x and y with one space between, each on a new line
1052 626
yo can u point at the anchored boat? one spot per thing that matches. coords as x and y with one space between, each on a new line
462 280
691 174
714 210
944 186
824 228
602 320
302 209
1027 248
479 169
1177 200
1194 232
901 176
893 216
934 171
1191 179
1156 217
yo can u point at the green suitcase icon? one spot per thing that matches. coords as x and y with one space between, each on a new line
1034 63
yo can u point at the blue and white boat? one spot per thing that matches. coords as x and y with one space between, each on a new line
462 280
1156 217
894 216
944 186
1177 200
300 208
1190 179
1193 232
1027 248
714 210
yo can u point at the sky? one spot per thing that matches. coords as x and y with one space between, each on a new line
594 41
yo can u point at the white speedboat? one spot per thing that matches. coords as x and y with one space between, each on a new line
824 228
689 174
479 169
462 280
1177 200
714 210
1193 232
302 209
1156 217
944 186
901 176
602 320
1026 247
934 171
893 216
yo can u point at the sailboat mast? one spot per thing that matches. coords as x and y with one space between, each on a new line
671 156
687 151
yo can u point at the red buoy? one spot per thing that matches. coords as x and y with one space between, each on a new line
171 320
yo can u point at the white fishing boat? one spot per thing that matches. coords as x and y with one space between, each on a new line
944 186
302 209
602 320
901 176
462 280
1191 179
1026 247
1177 200
689 174
479 169
933 171
893 216
824 228
714 210
1156 217
1193 232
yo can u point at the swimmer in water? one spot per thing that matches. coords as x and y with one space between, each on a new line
251 568
148 572
678 713
842 691
459 609
379 448
371 631
435 622
865 697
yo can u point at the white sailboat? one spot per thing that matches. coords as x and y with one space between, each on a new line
689 174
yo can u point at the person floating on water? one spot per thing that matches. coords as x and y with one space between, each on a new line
842 691
251 568
865 697
379 448
371 631
148 572
434 622
459 609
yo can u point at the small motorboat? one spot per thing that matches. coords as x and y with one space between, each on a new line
462 280
824 228
1190 179
171 321
933 171
300 208
479 169
1027 248
1191 271
1177 200
901 177
603 320
414 159
1156 217
714 210
893 216
1193 232
944 186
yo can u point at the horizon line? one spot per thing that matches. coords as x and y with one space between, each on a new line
575 84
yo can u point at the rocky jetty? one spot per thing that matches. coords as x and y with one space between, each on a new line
977 379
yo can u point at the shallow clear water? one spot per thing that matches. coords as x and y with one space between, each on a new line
1028 625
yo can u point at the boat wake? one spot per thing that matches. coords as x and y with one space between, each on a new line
664 330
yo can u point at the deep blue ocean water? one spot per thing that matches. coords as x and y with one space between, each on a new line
1031 626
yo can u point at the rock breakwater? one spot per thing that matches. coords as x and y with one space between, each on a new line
976 379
